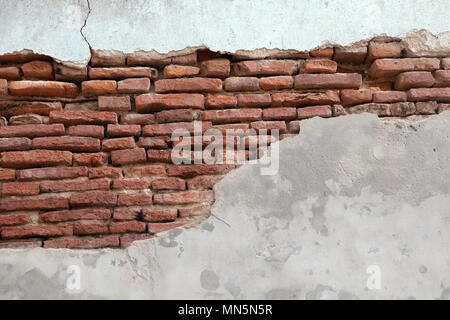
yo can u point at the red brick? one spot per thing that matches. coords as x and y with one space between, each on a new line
128 239
35 231
35 158
32 130
276 83
428 107
438 94
279 114
118 143
3 87
25 119
43 89
164 226
186 59
403 109
3 121
328 81
254 100
118 130
351 97
87 131
105 172
134 118
20 189
130 184
381 86
194 211
73 215
316 111
293 99
108 58
294 126
38 70
7 174
265 67
34 204
15 144
51 173
120 73
389 96
446 63
184 197
66 73
232 115
175 71
238 128
134 199
150 170
203 182
128 156
350 55
83 243
101 198
153 142
418 79
385 68
169 184
164 156
188 85
126 213
133 85
76 144
14 219
174 115
83 117
10 73
111 103
12 108
442 108
322 53
166 129
22 57
320 66
379 50
380 109
189 171
127 226
442 78
90 228
269 126
154 102
241 84
159 215
77 185
98 87
20 244
219 68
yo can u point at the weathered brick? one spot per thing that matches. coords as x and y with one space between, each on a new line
83 117
15 144
250 100
127 226
76 185
73 215
35 158
169 184
128 156
417 79
379 50
203 182
51 173
351 97
389 96
188 85
241 84
111 103
190 171
34 204
276 83
12 108
118 143
119 130
385 68
293 99
328 81
90 228
164 226
428 107
22 57
159 214
105 172
150 170
31 131
3 87
174 115
153 142
166 129
21 244
294 126
154 102
98 87
232 115
135 118
403 109
66 73
194 211
38 70
87 131
79 106
83 243
75 144
219 68
320 66
120 73
442 78
20 189
25 119
265 67
134 85
423 94
43 89
100 198
184 197
108 58
269 126
14 219
10 73
130 184
128 239
134 199
185 59
164 156
379 109
316 111
322 53
445 63
350 55
442 107
7 174
3 121
176 71
279 114
90 159
126 213
35 231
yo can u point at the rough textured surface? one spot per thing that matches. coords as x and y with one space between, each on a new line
352 192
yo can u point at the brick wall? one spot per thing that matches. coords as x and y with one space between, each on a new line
85 153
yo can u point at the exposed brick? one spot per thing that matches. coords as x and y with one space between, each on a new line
428 107
154 102
120 73
320 66
31 131
35 231
241 84
220 101
127 226
384 68
293 99
83 117
164 226
3 87
265 67
83 243
130 184
379 109
134 199
98 87
126 213
174 115
232 115
442 78
254 100
166 129
15 144
43 89
34 204
66 73
38 70
276 83
269 126
186 59
219 68
111 103
25 119
294 126
118 130
438 94
189 171
90 159
442 108
12 108
101 198
194 211
51 173
7 174
3 121
163 156
381 86
379 50
134 118
150 170
108 58
70 186
134 85
279 114
176 71
389 96
22 57
351 97
184 197
20 189
233 127
350 55
127 239
118 143
128 156
169 184
316 111
76 144
322 53
446 63
328 81
35 158
14 219
10 73
203 182
79 106
153 142
20 244
417 79
403 109
87 131
90 228
74 215
188 85
105 172
159 214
